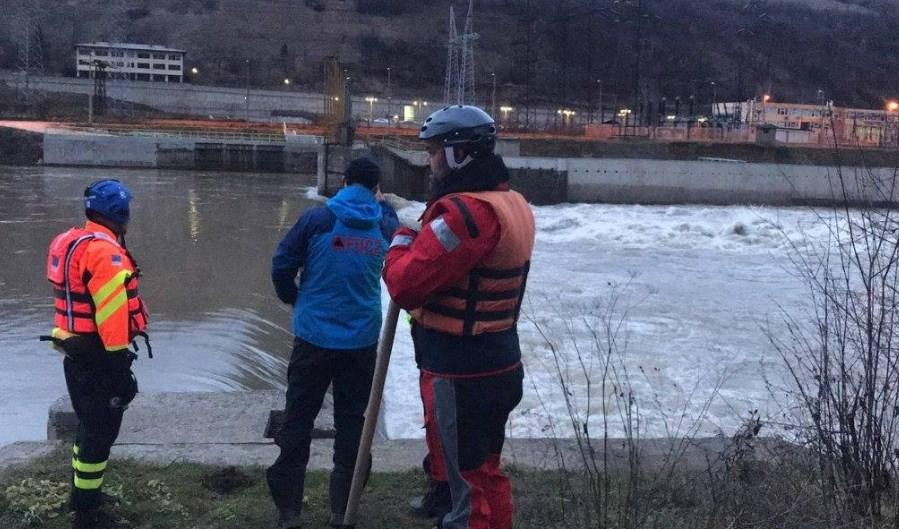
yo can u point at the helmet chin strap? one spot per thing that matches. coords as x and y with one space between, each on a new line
451 158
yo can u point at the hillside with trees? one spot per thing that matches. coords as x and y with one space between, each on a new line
543 52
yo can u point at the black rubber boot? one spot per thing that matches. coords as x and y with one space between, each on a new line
289 519
436 503
339 492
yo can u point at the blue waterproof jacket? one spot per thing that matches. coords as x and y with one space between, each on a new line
341 249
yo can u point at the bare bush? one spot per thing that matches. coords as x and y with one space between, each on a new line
843 365
611 476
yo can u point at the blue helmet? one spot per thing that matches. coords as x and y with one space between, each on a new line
108 198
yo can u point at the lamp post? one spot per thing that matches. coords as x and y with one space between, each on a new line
418 104
493 97
599 103
714 99
389 94
566 114
371 106
247 96
505 110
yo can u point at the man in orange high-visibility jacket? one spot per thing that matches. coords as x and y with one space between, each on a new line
98 314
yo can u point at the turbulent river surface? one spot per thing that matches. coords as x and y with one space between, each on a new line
691 291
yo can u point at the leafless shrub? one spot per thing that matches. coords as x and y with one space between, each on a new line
841 358
615 479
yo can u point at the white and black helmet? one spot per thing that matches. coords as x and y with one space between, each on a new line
461 125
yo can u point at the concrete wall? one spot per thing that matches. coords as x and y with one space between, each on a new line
699 182
406 176
636 181
206 101
98 150
689 151
102 151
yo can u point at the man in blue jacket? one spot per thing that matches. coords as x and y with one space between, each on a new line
336 321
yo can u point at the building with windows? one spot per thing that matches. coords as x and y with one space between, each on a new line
824 122
137 62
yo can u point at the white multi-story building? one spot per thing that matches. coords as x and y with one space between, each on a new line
138 62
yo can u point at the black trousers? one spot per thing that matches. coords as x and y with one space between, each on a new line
100 391
311 370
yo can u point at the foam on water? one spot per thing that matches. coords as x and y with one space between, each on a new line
695 287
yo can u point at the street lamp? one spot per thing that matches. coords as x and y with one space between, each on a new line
714 100
247 96
194 70
566 114
286 82
418 104
493 97
371 105
389 94
599 102
892 106
505 110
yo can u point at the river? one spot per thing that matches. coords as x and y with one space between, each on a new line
700 284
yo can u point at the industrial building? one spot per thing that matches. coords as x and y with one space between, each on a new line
823 123
137 62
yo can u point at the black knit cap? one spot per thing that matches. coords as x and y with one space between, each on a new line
363 171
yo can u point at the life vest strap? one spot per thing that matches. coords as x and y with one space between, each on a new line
479 315
146 338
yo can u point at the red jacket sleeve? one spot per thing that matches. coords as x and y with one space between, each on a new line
461 233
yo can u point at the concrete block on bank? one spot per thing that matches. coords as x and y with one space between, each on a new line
192 418
99 150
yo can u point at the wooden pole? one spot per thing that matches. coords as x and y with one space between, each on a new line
371 413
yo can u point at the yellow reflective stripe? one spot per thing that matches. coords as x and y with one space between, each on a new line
74 463
88 484
90 467
116 348
114 304
117 280
61 334
75 449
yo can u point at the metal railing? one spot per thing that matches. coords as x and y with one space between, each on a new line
251 137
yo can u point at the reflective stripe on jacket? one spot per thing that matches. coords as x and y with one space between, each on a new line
95 286
487 299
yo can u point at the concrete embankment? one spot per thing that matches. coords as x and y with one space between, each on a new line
229 429
291 153
692 151
712 181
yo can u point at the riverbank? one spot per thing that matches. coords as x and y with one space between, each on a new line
736 490
197 460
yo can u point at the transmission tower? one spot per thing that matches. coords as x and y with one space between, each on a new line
459 86
117 34
100 101
467 82
452 59
30 47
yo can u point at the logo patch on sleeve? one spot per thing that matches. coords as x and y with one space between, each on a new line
117 260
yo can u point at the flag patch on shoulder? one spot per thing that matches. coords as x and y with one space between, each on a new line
117 260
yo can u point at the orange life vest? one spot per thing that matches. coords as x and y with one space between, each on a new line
76 309
489 298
